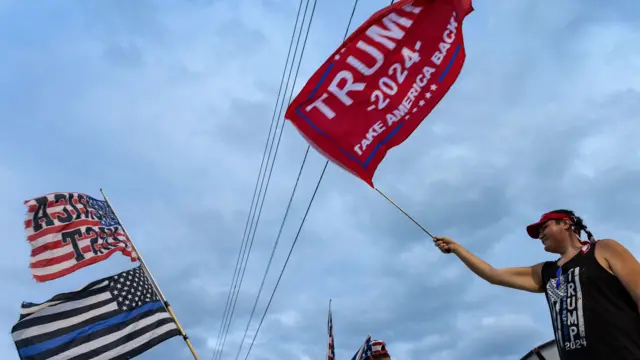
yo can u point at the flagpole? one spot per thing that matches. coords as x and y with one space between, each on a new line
404 212
329 326
153 282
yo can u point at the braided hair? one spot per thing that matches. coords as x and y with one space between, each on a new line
578 224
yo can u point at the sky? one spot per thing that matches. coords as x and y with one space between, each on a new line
166 105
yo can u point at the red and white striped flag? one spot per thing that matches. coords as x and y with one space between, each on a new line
331 352
69 231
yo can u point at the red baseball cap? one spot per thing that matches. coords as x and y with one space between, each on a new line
379 348
534 229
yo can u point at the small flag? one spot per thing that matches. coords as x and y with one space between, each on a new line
114 318
372 348
69 231
365 350
331 353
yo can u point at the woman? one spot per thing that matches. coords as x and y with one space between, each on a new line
593 289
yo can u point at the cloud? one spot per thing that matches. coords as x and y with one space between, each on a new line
168 106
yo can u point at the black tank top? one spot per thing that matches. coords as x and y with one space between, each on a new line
593 315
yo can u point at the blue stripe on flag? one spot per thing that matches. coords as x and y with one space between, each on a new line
49 344
446 70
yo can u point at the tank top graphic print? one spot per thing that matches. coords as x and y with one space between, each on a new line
592 314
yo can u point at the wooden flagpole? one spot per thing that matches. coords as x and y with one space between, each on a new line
404 212
410 217
153 282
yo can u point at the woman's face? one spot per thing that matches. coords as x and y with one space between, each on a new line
553 235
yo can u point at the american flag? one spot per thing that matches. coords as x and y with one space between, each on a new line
114 318
371 348
331 352
365 350
69 231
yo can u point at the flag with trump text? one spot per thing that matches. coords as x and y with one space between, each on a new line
381 82
113 318
69 231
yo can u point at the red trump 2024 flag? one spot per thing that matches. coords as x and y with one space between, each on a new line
379 85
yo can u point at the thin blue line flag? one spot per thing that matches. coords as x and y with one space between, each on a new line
114 318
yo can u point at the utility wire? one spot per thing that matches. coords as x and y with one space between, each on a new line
221 348
275 245
264 314
287 260
254 225
242 246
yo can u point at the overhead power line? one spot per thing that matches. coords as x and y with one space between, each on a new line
227 314
295 187
295 240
